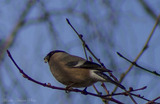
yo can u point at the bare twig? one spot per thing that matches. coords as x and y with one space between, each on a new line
86 46
153 101
135 64
130 90
141 52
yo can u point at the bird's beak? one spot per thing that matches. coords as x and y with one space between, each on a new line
46 59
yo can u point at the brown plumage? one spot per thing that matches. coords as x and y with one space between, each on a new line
74 71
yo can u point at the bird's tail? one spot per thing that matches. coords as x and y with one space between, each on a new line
108 79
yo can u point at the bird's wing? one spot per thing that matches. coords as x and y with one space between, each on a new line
86 65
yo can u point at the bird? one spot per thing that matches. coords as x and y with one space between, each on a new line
75 71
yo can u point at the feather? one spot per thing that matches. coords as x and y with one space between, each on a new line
108 79
86 65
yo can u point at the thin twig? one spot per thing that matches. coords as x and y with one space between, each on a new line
140 53
85 45
153 101
135 64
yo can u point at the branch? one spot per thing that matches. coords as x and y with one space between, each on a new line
135 64
153 101
59 88
141 52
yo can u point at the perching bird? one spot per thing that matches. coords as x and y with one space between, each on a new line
74 71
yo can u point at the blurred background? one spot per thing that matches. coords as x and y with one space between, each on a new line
32 28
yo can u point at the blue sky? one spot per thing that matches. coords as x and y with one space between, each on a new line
122 26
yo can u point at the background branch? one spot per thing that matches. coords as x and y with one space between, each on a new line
146 45
20 23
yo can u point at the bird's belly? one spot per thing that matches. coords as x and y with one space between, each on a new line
75 79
